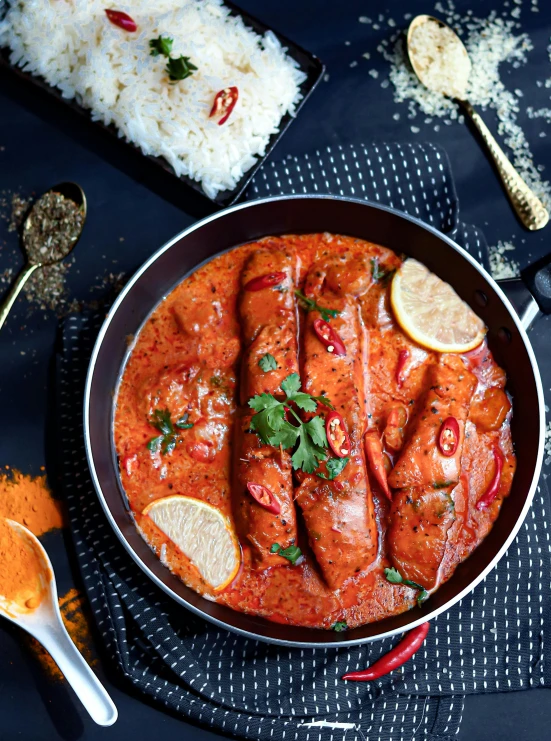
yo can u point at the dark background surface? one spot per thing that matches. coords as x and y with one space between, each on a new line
133 210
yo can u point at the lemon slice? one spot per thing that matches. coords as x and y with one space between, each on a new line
202 533
430 311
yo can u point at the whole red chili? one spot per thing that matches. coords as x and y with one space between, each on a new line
402 360
265 281
264 497
491 492
328 337
224 103
337 436
122 20
448 438
395 658
376 458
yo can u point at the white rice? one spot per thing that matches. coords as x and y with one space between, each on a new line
74 47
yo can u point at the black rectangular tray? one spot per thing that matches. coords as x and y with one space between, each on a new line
308 63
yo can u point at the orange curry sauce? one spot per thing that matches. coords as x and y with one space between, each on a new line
187 359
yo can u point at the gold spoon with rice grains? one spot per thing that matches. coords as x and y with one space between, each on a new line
527 205
48 240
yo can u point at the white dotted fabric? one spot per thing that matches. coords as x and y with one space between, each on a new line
496 639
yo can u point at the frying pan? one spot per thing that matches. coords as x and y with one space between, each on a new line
306 214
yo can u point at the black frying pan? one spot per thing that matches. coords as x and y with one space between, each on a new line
401 233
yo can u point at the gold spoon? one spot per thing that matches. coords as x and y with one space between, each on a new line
72 192
527 205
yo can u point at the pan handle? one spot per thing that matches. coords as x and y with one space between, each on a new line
523 302
531 293
538 279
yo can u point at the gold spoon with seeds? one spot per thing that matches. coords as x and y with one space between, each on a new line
433 70
50 232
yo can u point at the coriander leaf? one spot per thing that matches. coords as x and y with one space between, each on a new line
441 484
335 466
263 401
412 584
183 423
339 626
160 419
162 45
307 456
169 443
393 576
304 401
292 553
380 275
267 363
275 548
291 384
316 429
268 421
323 400
286 436
422 597
155 443
179 68
310 305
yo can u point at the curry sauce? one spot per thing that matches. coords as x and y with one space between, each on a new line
198 357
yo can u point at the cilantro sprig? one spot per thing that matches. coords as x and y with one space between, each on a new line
394 577
292 553
177 68
379 274
267 363
339 626
161 46
334 466
310 305
273 428
169 437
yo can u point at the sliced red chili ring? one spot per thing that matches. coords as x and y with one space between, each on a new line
448 438
491 492
224 103
403 357
328 337
264 497
337 436
265 281
122 20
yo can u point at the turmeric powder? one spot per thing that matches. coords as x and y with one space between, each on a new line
28 500
20 569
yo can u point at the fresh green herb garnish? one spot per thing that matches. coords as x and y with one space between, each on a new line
334 467
166 441
380 275
162 45
292 553
267 362
178 68
216 381
273 429
394 577
311 305
441 484
339 626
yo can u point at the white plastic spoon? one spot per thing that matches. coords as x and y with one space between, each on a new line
46 625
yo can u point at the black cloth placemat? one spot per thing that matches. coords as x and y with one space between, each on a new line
495 639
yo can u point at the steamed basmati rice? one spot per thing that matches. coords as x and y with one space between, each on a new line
74 47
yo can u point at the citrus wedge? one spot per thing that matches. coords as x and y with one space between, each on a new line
202 533
431 313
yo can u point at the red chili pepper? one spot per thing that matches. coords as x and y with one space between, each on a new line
403 357
396 657
129 462
122 20
265 281
337 436
491 492
224 103
375 456
328 337
448 439
264 497
394 430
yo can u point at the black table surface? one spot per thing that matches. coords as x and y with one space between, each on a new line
133 210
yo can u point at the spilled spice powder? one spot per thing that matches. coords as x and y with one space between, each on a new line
29 501
77 618
20 569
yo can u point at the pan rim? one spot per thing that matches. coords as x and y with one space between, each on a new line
250 633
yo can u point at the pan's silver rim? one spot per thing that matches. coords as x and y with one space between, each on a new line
220 623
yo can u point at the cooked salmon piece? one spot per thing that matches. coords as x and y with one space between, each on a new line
268 319
450 388
419 523
339 514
